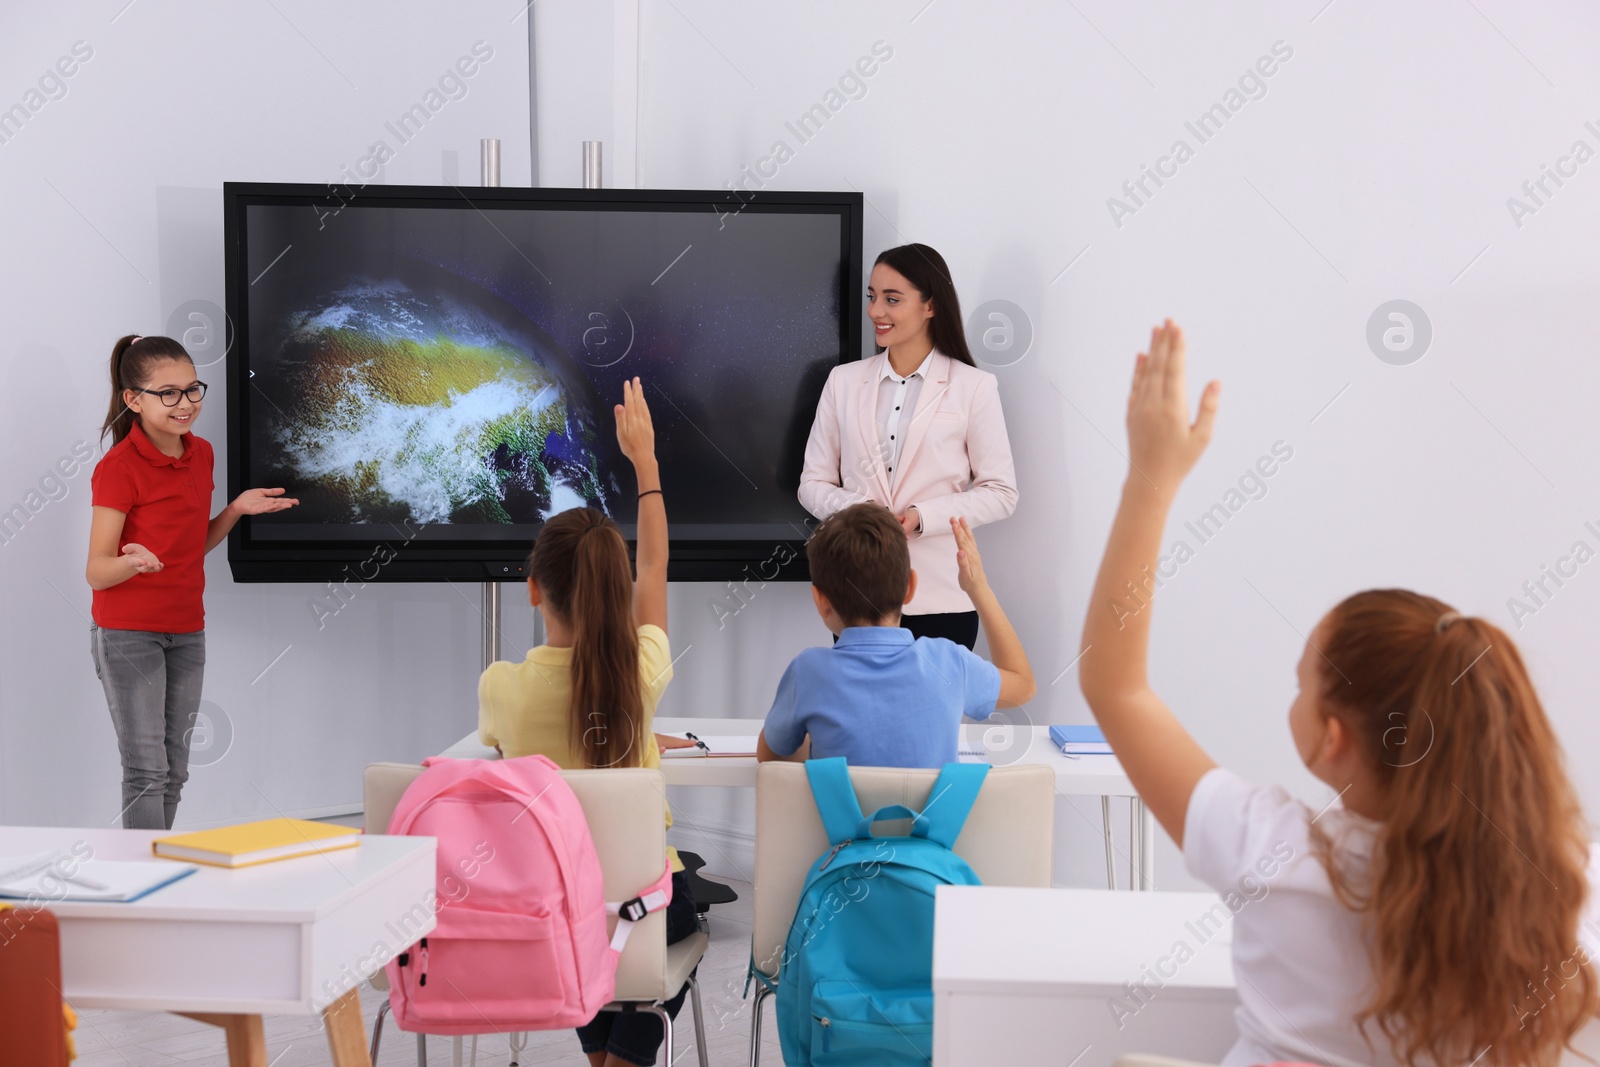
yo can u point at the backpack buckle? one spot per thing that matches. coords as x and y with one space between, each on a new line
633 910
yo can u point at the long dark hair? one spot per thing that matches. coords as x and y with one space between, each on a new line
132 360
580 563
926 270
1478 877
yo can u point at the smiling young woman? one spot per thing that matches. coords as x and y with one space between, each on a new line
918 428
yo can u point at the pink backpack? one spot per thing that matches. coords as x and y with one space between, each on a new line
521 937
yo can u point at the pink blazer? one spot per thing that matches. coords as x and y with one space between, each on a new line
956 460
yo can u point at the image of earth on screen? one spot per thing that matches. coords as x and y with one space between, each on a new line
457 368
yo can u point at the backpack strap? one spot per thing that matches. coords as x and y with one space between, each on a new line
836 800
651 898
954 792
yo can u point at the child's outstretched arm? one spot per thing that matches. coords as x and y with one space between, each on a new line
637 438
249 502
1162 760
1005 648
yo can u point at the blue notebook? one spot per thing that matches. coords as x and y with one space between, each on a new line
1080 740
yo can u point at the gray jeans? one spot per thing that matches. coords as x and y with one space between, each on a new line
152 683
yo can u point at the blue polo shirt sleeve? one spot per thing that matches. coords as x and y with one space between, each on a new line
784 727
982 684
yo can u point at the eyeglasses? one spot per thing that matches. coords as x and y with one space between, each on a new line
169 397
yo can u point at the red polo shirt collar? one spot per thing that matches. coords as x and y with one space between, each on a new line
153 455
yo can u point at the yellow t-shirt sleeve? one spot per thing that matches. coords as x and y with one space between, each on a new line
655 660
486 734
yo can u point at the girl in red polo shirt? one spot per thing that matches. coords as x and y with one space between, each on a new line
151 529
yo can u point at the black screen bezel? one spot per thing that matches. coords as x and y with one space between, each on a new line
731 560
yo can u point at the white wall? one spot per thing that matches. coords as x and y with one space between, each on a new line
1377 166
114 222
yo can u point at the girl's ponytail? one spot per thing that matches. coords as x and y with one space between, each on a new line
580 563
132 359
1478 876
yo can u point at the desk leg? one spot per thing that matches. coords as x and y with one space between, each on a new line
1143 845
1105 832
247 1040
1147 840
347 1035
1135 852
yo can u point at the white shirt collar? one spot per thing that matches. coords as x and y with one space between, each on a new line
922 368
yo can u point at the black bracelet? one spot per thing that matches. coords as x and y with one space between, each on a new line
647 492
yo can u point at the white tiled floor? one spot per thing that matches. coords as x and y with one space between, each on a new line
139 1039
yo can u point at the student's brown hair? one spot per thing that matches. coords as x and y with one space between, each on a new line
580 563
859 560
927 271
1478 877
133 360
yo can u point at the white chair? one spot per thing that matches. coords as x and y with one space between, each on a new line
626 812
1006 841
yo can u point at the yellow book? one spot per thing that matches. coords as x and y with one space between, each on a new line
256 842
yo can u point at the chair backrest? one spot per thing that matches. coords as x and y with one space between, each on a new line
1006 840
626 812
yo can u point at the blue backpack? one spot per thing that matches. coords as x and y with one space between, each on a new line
855 985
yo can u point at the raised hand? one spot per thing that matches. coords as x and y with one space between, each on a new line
636 436
141 559
262 501
1163 445
969 565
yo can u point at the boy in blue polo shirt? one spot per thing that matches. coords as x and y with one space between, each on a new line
879 697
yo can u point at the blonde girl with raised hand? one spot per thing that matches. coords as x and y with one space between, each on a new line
1429 914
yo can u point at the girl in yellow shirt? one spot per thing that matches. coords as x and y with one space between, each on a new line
587 696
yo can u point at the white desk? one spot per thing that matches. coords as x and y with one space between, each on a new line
1088 776
1041 976
228 946
1035 975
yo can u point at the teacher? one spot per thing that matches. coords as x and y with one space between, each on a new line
916 427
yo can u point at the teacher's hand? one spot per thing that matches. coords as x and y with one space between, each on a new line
911 521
